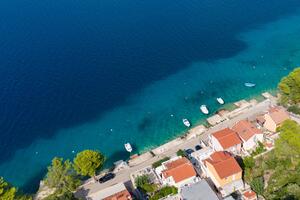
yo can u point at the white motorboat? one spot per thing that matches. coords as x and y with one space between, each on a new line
128 147
186 122
250 84
220 100
204 109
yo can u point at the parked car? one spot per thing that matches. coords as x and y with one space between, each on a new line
198 147
107 177
189 151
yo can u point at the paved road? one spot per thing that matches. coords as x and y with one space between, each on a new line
124 176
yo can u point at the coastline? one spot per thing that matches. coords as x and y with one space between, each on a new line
171 147
229 106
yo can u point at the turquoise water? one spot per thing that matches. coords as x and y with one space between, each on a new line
152 114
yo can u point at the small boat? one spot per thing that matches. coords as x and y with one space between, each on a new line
128 147
250 84
204 109
220 100
186 122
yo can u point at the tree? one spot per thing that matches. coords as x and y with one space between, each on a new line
289 88
88 162
257 185
6 191
288 144
181 153
144 183
249 162
64 196
62 176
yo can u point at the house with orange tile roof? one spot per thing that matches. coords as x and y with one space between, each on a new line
275 117
249 134
225 172
226 140
114 192
249 195
177 172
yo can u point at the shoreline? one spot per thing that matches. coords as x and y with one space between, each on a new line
195 135
230 106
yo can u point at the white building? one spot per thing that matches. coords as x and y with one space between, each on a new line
177 172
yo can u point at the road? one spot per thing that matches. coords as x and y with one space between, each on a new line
124 176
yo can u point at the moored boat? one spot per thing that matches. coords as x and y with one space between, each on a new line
128 147
186 122
250 84
204 109
220 100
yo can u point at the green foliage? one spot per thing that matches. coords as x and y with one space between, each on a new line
181 153
260 149
289 88
143 183
158 163
257 185
142 180
294 109
280 167
62 176
249 162
8 192
88 162
163 192
63 196
288 145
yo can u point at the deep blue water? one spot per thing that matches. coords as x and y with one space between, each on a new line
69 62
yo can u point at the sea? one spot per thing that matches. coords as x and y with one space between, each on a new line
96 74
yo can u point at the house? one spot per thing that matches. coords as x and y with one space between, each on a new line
249 134
225 172
274 118
177 172
249 195
114 192
199 156
226 140
198 191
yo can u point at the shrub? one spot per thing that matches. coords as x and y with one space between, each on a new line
163 192
294 109
158 163
248 162
260 149
144 183
181 153
257 185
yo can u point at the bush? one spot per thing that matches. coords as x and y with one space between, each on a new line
163 192
158 163
248 162
294 109
260 149
143 183
181 153
257 185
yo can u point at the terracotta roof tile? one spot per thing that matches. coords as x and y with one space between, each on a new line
224 164
227 138
179 169
123 195
278 115
245 129
249 194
